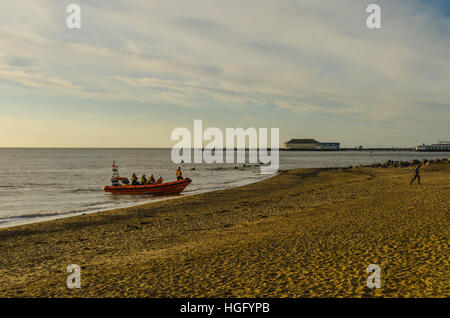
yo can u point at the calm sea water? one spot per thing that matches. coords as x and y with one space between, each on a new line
41 184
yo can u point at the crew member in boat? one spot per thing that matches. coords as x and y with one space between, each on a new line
134 179
179 174
151 180
160 180
143 179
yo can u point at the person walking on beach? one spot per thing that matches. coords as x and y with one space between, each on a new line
179 174
416 174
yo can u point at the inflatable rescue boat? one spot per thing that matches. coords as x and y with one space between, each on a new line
122 185
168 188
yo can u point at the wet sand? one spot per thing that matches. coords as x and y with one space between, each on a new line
303 233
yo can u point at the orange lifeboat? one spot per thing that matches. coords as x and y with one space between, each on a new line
121 185
168 188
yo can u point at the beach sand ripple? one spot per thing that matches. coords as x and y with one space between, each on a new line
303 233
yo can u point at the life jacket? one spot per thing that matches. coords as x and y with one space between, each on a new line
178 173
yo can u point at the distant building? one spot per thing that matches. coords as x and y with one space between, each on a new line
440 146
302 144
330 145
312 144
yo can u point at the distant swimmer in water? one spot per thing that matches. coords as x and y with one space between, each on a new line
416 174
179 174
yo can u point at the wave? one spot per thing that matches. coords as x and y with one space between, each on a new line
80 190
38 215
26 185
34 184
94 204
46 187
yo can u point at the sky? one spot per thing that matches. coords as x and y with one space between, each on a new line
136 70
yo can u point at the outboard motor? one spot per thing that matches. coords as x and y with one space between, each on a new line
115 182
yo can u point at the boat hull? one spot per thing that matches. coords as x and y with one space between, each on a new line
169 188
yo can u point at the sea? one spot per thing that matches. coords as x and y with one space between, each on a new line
38 184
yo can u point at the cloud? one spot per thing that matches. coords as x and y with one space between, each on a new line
35 80
298 57
199 25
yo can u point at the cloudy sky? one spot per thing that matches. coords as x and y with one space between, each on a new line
138 69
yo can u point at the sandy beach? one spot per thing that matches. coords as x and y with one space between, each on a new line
302 233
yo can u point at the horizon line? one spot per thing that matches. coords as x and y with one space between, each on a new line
100 147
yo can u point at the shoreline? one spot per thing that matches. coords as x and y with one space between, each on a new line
49 216
25 220
24 210
301 233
